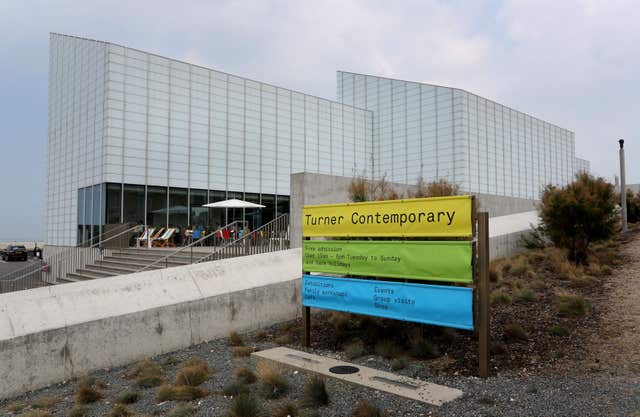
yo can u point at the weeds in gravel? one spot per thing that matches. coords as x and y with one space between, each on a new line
37 413
286 410
194 372
366 409
231 389
245 375
571 305
245 405
559 330
423 349
260 336
79 410
44 403
398 363
387 348
178 393
354 349
526 295
498 348
147 374
582 281
87 394
314 393
243 351
235 339
500 297
273 383
182 410
16 407
120 411
128 397
515 332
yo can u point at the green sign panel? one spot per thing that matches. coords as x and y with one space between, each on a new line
448 261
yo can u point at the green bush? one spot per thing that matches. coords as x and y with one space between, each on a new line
633 206
578 214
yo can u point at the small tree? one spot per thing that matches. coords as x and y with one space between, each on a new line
361 189
578 214
358 189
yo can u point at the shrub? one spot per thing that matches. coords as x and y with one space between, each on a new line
633 206
559 330
439 188
314 393
243 351
578 214
286 410
178 393
245 375
147 374
535 239
231 389
354 349
581 281
366 409
182 410
245 405
526 295
398 363
87 395
514 331
273 383
571 305
44 402
495 274
235 339
500 297
519 267
387 348
120 411
79 410
128 397
423 349
260 336
193 373
358 190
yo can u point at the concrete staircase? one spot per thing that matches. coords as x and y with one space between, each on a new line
127 261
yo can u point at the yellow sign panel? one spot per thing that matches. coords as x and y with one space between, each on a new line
438 216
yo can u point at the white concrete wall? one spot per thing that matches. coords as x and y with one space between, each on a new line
51 334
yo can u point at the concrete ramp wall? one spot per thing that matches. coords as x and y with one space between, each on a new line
51 334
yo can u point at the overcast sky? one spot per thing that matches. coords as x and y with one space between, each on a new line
573 63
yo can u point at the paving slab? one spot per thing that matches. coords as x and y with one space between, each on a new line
403 386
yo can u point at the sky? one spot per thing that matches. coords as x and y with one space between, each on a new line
573 63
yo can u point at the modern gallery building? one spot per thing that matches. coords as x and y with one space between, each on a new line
136 137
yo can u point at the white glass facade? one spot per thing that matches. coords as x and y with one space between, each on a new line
441 132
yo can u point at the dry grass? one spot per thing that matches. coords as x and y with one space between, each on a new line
44 403
398 363
286 410
16 407
79 410
284 339
387 348
526 295
422 348
583 281
245 405
37 413
243 351
235 339
234 388
194 372
500 298
354 349
128 397
273 383
366 409
571 305
147 374
178 393
514 332
314 393
245 375
182 410
120 411
87 395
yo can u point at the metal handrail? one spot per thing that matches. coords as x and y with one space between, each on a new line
277 229
67 260
190 246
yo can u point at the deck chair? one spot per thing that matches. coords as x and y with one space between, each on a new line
165 240
148 232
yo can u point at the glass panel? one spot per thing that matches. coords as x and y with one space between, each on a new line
268 200
157 207
216 216
234 214
282 205
199 215
96 206
253 216
133 204
80 213
113 203
87 213
178 207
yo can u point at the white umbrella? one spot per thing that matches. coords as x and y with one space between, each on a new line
233 203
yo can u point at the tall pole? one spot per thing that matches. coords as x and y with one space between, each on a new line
623 188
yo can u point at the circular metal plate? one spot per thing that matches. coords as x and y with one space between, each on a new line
344 369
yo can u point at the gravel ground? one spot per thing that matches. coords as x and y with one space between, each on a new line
614 392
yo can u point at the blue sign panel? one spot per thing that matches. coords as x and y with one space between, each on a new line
431 304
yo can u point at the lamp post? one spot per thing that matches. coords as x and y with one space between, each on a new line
623 189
